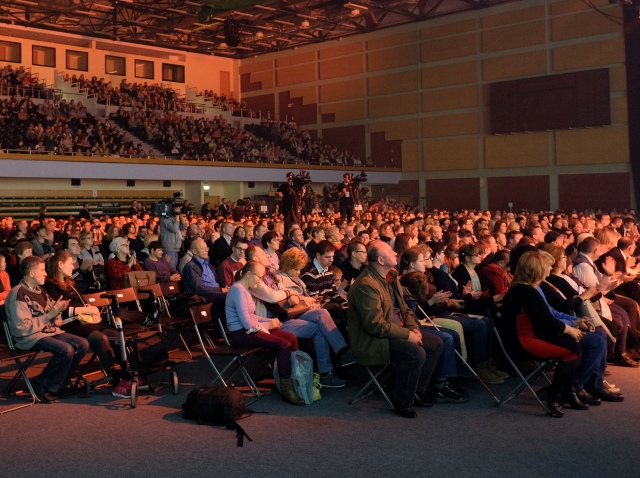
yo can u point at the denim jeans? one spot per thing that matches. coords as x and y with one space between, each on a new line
414 364
479 331
447 366
318 325
281 341
594 360
68 350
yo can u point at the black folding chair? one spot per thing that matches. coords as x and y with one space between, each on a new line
21 358
201 316
526 379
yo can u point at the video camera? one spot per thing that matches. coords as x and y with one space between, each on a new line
300 180
360 178
166 206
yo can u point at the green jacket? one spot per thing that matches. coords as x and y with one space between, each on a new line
370 314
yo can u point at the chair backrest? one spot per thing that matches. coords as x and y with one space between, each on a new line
142 292
5 333
201 313
138 278
170 288
125 296
95 299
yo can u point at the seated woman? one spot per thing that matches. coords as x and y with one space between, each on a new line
5 284
155 262
121 263
316 323
530 329
247 328
59 284
91 252
477 328
468 279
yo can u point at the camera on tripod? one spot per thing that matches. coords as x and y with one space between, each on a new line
167 206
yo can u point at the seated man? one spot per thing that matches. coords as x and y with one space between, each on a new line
233 263
42 247
83 275
33 319
383 329
199 277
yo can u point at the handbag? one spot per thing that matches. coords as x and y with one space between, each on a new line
88 319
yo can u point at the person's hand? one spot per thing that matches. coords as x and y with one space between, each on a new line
293 300
87 264
467 288
498 297
132 260
573 332
476 293
455 303
440 296
609 265
589 293
415 337
225 289
58 307
274 324
175 277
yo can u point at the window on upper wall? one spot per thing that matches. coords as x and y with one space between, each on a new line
144 69
172 73
43 56
115 65
10 51
77 60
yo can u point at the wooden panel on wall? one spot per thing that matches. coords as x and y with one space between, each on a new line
619 111
344 111
293 60
594 191
341 50
393 105
514 36
344 90
588 55
387 59
617 78
511 66
246 85
450 125
392 40
525 192
266 78
304 73
402 129
452 194
571 6
392 83
343 66
385 153
447 75
350 138
450 98
451 153
584 24
309 94
410 156
593 146
251 67
450 47
447 30
515 16
517 150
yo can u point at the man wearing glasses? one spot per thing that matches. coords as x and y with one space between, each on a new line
233 263
351 268
199 277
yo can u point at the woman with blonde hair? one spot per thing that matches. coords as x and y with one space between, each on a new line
531 331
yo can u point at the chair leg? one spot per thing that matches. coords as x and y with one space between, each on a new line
22 371
368 389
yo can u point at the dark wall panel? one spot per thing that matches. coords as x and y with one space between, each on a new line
264 104
351 138
246 85
453 194
594 191
385 154
529 192
293 108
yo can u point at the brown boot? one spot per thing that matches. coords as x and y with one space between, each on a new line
288 393
486 375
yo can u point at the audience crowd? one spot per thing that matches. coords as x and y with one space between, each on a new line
372 289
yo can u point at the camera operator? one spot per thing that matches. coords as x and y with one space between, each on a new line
346 193
171 228
290 202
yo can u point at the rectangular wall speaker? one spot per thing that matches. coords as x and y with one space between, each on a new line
75 182
166 184
251 185
131 182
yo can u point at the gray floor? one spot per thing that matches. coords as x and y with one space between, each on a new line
103 436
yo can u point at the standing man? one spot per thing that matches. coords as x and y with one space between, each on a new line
171 228
345 192
289 201
85 213
383 329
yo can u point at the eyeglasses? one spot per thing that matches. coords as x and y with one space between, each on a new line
361 252
243 249
428 258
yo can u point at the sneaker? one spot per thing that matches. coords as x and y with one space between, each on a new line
610 386
348 359
447 394
495 370
143 384
331 380
123 390
486 375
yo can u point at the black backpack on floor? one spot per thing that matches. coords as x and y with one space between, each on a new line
216 405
